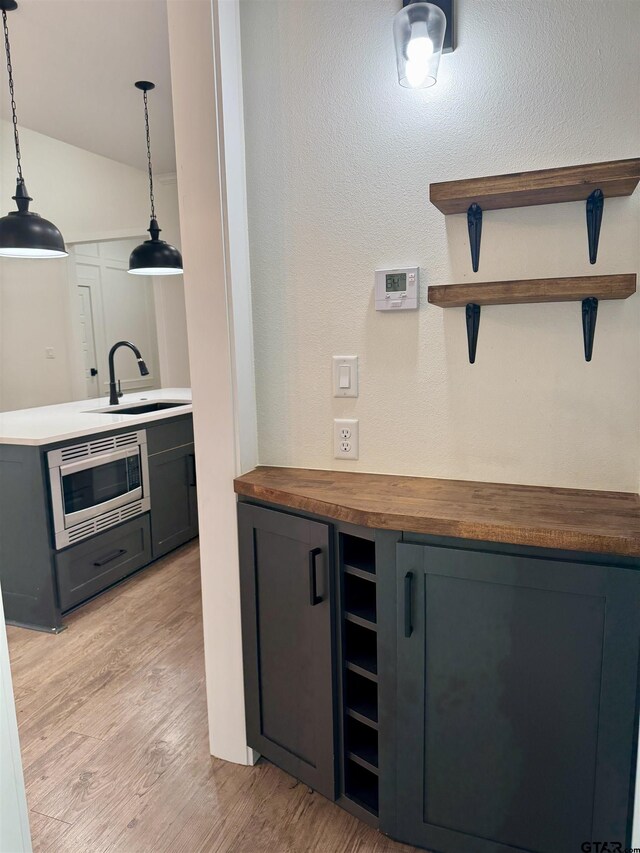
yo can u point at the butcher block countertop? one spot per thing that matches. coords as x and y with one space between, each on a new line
567 519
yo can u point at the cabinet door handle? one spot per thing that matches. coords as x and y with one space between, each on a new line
314 598
408 581
110 557
192 470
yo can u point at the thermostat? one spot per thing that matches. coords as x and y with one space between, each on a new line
397 290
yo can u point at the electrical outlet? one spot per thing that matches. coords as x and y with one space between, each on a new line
345 438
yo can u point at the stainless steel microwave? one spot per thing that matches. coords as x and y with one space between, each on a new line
98 484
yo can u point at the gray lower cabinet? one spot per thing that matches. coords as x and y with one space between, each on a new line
287 638
39 584
91 566
174 508
489 695
516 701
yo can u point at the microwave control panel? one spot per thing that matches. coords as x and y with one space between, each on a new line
133 472
397 290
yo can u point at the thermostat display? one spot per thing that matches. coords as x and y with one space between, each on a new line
396 283
397 290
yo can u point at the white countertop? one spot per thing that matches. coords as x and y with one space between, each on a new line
47 424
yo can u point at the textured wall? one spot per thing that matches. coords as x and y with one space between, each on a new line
339 159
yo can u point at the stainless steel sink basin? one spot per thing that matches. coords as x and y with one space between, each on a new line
140 408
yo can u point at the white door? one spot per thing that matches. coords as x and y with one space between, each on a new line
122 308
88 341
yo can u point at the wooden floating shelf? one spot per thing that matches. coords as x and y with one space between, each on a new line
522 291
544 186
592 182
588 289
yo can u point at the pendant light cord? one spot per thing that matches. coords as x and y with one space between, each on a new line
16 138
146 121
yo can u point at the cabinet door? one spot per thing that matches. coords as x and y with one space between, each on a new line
516 697
287 642
174 515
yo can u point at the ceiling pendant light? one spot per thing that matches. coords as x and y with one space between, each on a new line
24 234
154 256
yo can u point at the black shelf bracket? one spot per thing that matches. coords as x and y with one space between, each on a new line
595 206
474 223
472 314
589 316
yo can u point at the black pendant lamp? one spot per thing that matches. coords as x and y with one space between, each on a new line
154 256
24 234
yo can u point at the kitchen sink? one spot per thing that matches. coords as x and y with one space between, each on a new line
140 408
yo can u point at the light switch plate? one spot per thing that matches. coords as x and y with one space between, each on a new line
343 364
345 438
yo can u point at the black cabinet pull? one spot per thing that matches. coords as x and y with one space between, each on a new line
314 598
110 557
192 470
408 627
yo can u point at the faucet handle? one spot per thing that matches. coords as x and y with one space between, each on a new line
120 394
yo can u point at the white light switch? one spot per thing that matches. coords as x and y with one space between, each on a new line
345 375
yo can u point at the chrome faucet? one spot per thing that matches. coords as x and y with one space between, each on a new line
114 392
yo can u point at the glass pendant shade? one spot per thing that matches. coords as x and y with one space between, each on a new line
155 256
418 33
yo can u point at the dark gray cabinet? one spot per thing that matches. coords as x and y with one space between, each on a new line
174 510
485 695
97 563
516 701
285 565
39 584
172 484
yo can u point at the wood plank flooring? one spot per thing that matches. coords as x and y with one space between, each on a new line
113 729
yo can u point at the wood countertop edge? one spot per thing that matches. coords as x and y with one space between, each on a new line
508 534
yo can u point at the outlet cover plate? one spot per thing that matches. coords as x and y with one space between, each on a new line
346 443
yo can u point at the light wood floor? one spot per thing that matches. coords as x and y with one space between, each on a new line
113 729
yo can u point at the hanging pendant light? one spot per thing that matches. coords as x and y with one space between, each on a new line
24 234
154 256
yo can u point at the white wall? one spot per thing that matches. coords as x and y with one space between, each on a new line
221 382
339 161
168 291
14 821
88 197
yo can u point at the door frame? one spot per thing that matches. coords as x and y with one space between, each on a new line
97 306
